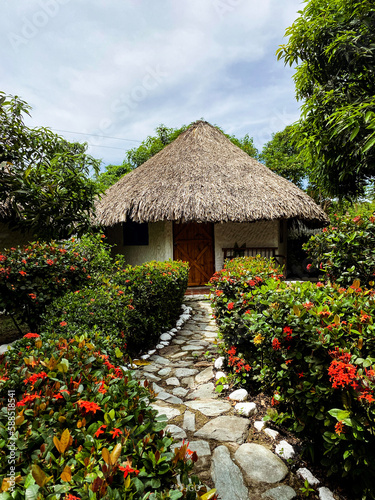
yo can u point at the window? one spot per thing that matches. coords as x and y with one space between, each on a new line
135 233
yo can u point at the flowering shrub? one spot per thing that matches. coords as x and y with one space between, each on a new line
346 250
82 427
33 276
312 347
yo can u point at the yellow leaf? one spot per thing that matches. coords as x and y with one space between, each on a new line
38 343
6 484
360 343
19 419
57 443
116 452
141 362
66 474
336 319
106 456
39 475
296 311
356 283
62 418
65 438
209 495
127 482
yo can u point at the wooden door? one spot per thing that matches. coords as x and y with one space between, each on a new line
193 242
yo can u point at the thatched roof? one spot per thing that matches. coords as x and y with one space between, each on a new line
202 176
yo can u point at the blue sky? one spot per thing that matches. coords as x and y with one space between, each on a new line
120 68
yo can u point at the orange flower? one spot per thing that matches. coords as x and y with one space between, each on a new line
63 323
128 470
88 406
115 433
100 430
339 428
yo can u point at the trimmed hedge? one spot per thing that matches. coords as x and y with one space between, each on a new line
133 307
312 347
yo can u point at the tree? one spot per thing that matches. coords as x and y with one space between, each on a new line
111 175
333 42
44 180
283 156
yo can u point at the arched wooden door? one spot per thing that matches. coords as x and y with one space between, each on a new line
193 242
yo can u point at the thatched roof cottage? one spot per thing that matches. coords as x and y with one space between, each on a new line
198 199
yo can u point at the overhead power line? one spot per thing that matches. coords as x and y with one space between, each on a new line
96 135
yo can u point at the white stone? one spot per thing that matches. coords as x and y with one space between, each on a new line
168 411
189 421
180 392
246 409
159 346
227 476
306 474
219 363
282 492
284 450
176 431
259 463
209 407
165 342
153 351
325 494
185 372
165 336
238 395
204 376
259 424
220 375
172 381
145 356
4 348
271 433
164 372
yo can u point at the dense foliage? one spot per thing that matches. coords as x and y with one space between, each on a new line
333 43
346 250
133 307
34 275
81 427
313 348
44 180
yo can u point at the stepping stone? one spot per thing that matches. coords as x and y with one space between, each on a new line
152 377
202 448
188 381
189 421
165 336
174 400
164 372
225 428
306 474
246 409
205 391
185 372
209 407
168 411
284 450
172 381
204 376
190 347
150 368
280 493
178 341
227 476
180 392
260 464
179 355
210 335
176 431
159 360
238 395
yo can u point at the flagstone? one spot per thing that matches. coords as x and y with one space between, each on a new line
260 464
225 428
227 477
209 407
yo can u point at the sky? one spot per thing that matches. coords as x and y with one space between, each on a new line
120 68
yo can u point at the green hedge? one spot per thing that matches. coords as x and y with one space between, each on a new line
133 306
312 347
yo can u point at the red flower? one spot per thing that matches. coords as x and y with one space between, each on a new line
50 262
2 258
88 406
339 427
33 378
230 306
128 470
300 375
31 336
342 374
276 344
319 284
308 305
100 430
308 267
22 273
364 318
115 433
248 311
219 292
63 323
69 496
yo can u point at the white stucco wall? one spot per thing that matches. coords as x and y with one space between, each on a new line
254 234
160 245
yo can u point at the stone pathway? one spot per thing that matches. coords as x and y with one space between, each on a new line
183 374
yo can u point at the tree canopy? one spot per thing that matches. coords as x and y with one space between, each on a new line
283 156
44 179
333 43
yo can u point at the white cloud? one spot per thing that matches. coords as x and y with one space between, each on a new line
122 68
